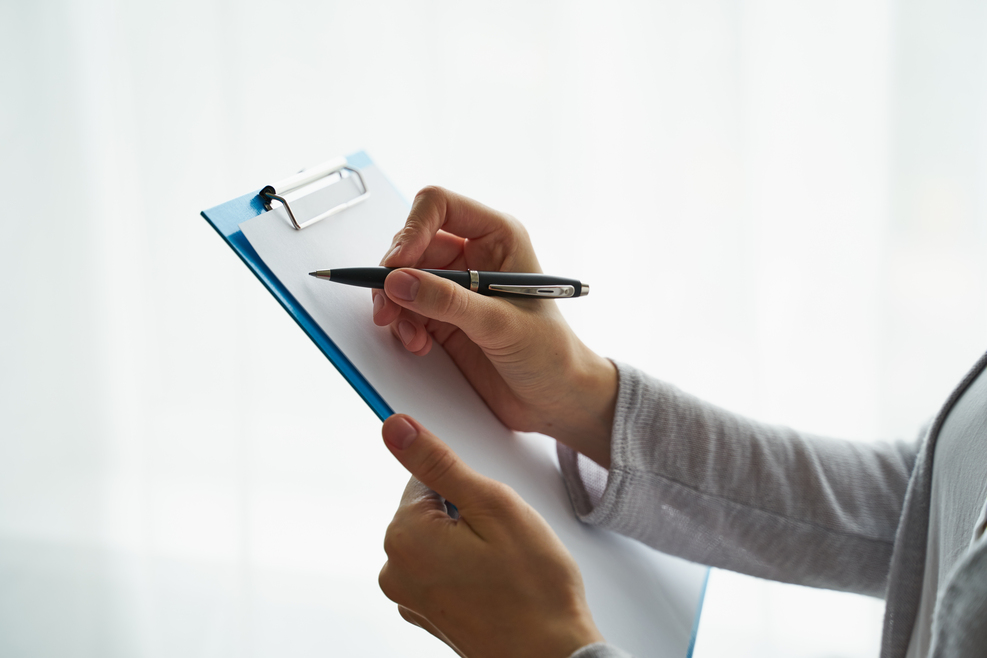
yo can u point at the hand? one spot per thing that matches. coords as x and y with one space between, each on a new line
494 582
519 354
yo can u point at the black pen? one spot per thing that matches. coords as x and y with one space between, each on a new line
496 284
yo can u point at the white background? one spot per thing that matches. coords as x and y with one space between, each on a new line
183 473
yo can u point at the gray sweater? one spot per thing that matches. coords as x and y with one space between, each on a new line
708 485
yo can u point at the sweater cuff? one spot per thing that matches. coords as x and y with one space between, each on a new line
593 490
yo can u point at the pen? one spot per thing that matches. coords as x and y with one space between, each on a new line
496 284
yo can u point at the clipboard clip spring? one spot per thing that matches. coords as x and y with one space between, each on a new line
310 177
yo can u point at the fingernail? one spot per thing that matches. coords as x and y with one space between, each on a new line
400 433
403 285
393 251
407 331
378 303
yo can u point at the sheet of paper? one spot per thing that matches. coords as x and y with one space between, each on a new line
641 600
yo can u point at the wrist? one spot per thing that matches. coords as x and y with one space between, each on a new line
584 419
561 635
565 644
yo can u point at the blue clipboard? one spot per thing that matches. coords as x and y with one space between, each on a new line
226 219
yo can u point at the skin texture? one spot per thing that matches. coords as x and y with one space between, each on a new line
496 581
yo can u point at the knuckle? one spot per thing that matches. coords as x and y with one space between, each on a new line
521 232
515 225
391 541
428 200
503 496
411 228
515 241
388 583
430 192
516 232
397 539
437 465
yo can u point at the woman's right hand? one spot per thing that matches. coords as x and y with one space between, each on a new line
519 354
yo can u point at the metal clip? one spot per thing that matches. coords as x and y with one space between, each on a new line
535 291
279 191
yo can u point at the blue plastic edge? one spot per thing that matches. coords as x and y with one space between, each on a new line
699 612
226 219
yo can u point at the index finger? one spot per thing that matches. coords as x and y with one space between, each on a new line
443 249
436 208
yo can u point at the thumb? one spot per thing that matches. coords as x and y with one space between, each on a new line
482 318
432 462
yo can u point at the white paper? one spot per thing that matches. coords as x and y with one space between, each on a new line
641 600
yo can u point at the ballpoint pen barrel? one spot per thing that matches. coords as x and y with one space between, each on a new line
373 277
500 284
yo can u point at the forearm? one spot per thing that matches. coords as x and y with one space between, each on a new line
697 481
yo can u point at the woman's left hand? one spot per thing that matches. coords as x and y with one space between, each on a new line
496 581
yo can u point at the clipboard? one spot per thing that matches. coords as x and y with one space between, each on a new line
226 219
643 601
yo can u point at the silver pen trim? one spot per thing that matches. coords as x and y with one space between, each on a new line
535 291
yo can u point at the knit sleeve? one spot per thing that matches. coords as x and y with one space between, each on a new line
694 480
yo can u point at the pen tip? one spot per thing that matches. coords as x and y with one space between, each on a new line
313 274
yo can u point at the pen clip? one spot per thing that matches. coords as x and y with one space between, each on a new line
535 291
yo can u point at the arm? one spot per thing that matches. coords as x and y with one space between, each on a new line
669 451
687 478
694 480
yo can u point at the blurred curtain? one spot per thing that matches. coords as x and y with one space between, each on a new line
802 185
